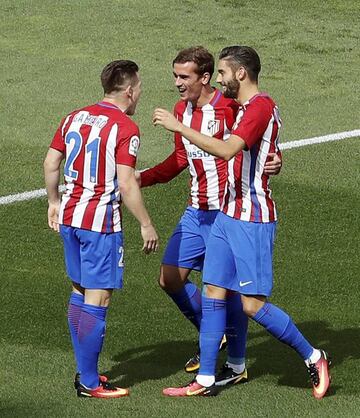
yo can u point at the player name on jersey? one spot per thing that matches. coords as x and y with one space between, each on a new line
94 140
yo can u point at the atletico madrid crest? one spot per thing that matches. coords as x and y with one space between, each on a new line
213 126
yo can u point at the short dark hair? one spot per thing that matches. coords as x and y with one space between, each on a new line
200 56
242 56
117 75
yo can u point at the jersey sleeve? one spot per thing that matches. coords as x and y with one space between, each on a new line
168 169
128 144
231 111
58 142
254 122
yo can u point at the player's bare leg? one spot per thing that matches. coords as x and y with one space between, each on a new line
280 325
252 304
98 297
185 294
172 278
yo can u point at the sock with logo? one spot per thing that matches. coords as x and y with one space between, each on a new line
211 332
76 302
188 300
280 325
92 327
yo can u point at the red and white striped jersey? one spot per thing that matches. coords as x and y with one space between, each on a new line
208 174
248 196
94 139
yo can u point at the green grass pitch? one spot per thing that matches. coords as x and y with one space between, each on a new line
51 57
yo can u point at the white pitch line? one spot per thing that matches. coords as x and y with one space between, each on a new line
19 197
320 139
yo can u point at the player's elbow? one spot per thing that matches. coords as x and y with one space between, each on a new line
52 161
227 156
49 165
226 152
125 188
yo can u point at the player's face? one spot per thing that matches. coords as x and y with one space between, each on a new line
136 93
187 81
227 79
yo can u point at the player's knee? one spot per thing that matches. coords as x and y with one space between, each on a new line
251 306
162 282
98 297
170 280
249 310
215 292
165 280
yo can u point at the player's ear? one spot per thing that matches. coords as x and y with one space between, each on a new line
129 91
240 73
206 78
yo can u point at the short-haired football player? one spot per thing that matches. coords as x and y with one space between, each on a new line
240 246
99 144
206 110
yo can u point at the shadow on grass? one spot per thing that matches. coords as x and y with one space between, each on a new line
265 356
151 362
274 358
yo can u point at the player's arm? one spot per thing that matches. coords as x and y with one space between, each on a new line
167 170
52 177
225 150
132 198
162 172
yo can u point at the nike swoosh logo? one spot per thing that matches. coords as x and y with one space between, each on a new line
195 392
322 384
244 283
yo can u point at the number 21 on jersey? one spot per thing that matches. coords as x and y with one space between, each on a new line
74 142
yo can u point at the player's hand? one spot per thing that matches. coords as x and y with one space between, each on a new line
273 164
151 239
166 119
138 177
53 216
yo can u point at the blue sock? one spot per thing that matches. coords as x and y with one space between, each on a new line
236 329
74 311
212 330
281 326
188 300
91 336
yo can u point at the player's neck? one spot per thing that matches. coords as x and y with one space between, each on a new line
246 93
206 96
116 102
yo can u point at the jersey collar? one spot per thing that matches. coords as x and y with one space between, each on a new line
108 105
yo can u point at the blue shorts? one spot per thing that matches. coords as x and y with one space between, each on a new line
94 260
239 256
186 247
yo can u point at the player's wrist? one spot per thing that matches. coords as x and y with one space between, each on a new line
180 128
54 201
146 224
